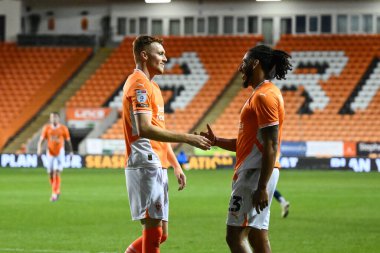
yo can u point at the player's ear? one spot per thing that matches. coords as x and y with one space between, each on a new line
255 63
144 55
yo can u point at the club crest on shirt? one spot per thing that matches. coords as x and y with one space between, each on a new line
141 96
158 206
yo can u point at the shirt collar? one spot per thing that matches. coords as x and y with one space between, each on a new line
54 127
141 72
265 81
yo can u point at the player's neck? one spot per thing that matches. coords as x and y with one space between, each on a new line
144 70
258 78
259 83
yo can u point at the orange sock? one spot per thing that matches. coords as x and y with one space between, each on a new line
57 188
136 246
52 183
151 240
163 238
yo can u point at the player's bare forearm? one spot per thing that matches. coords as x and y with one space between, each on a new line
260 198
227 144
39 146
181 178
172 158
147 130
159 134
270 144
266 167
70 146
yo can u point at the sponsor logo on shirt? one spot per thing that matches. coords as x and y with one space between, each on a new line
160 113
161 117
142 105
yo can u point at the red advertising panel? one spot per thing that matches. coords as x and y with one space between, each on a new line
349 149
87 113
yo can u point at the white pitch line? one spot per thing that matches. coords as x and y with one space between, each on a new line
45 251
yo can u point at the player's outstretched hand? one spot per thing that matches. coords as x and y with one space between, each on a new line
260 199
199 141
209 135
181 178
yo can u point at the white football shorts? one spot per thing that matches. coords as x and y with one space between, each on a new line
55 163
148 193
241 212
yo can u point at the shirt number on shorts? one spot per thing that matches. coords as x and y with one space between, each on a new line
236 204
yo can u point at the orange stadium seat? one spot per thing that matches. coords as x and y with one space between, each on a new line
29 78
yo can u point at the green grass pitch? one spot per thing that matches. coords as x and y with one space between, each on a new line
330 212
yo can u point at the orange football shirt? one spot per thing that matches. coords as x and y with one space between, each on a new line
55 137
264 108
143 96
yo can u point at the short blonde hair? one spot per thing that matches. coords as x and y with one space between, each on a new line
142 41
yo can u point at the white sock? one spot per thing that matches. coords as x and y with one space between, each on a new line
282 201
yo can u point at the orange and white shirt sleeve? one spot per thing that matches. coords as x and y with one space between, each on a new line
66 135
141 98
44 135
267 110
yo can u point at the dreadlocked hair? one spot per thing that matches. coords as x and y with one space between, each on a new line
275 63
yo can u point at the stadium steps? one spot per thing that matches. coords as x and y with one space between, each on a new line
57 102
215 111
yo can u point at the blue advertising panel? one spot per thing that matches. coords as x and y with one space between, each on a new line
293 148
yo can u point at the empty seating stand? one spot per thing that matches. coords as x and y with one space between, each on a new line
29 77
